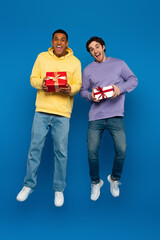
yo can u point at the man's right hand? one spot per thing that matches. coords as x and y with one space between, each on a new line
93 97
44 87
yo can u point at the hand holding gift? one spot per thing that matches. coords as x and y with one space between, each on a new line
65 90
55 81
100 93
93 97
116 91
44 87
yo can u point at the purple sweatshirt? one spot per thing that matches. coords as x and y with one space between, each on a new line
112 71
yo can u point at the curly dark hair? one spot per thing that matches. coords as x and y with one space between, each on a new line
96 39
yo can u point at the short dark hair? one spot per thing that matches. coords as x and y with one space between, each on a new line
96 39
60 31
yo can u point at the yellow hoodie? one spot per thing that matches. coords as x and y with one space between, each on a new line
56 103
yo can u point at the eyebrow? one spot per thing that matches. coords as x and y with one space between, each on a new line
95 45
61 38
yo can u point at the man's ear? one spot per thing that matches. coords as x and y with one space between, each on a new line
103 47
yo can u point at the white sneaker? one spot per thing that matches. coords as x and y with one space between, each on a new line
95 190
114 188
23 194
58 199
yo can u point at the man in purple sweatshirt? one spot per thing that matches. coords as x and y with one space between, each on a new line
106 114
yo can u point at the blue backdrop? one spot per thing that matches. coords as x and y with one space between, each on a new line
131 32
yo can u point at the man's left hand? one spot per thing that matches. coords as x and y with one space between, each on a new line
116 91
65 90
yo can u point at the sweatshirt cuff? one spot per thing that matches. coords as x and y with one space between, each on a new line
74 90
36 83
90 96
121 87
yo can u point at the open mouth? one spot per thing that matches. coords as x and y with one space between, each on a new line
59 48
97 55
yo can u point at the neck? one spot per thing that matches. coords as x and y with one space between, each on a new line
104 59
64 54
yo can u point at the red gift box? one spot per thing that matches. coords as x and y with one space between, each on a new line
56 81
103 93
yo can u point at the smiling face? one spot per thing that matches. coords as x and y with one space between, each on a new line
97 51
59 43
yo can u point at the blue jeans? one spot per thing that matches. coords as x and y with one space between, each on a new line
59 126
115 126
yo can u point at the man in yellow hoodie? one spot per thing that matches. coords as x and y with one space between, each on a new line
53 111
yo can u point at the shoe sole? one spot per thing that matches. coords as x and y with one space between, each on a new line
22 200
59 205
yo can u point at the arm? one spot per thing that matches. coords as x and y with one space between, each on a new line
129 79
75 83
36 80
84 92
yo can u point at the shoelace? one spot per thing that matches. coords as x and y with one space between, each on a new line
25 189
116 183
94 187
58 194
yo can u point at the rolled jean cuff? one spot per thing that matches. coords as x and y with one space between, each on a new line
59 189
115 178
95 181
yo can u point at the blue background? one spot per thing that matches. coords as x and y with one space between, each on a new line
131 32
